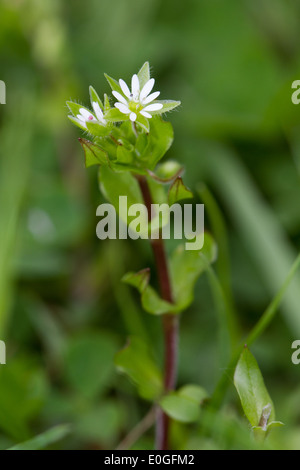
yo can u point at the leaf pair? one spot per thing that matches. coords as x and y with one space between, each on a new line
185 268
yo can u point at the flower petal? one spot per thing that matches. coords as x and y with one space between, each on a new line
80 118
151 97
85 113
124 88
153 107
147 88
132 117
135 85
145 114
119 97
98 111
123 108
75 120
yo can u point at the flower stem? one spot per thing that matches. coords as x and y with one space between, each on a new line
170 324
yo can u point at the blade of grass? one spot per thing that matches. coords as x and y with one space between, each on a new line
223 269
14 171
45 439
263 235
254 334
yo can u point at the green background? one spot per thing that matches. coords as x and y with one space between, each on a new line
63 311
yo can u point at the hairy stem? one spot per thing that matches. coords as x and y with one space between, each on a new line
170 324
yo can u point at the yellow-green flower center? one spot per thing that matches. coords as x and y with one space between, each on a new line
134 107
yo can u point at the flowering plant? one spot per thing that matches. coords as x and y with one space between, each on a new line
127 140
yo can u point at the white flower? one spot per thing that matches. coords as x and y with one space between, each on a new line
137 101
86 115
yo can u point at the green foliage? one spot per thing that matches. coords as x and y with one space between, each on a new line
89 363
178 192
184 404
255 399
135 361
186 266
57 280
44 440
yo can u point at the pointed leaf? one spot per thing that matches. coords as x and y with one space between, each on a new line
255 399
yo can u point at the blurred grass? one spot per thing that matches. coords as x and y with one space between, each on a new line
15 166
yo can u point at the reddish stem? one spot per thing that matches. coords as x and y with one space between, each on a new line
170 324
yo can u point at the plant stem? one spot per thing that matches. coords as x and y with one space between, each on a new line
170 324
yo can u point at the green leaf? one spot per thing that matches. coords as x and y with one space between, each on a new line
178 192
168 105
194 392
45 439
125 155
95 98
89 363
135 361
186 266
255 399
160 140
144 74
94 155
184 404
100 423
151 301
113 185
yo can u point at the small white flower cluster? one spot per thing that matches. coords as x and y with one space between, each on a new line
137 101
85 116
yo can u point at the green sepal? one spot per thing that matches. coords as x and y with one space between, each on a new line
168 105
144 74
114 84
95 98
